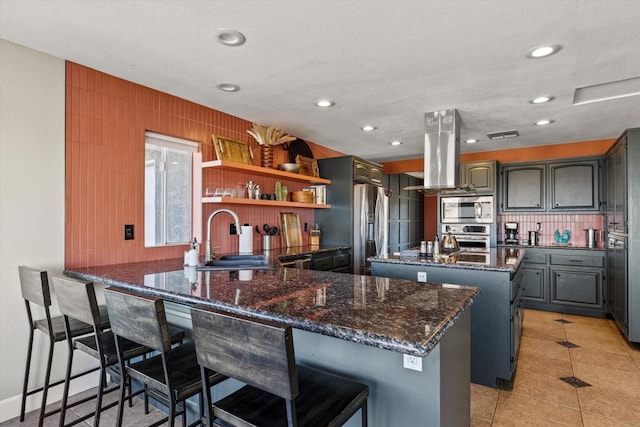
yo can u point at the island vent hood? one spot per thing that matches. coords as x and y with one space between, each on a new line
441 153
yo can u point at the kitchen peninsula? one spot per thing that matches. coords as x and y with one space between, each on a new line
496 315
357 326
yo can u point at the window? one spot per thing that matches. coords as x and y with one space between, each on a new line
167 190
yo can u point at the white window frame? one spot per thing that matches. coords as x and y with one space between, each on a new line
166 142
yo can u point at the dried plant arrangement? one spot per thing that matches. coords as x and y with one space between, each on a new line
269 135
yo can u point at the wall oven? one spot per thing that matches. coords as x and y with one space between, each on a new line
470 237
467 209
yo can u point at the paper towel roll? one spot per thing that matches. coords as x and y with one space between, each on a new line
246 239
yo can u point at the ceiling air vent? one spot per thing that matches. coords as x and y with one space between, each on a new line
503 135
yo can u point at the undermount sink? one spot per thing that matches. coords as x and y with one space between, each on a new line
238 262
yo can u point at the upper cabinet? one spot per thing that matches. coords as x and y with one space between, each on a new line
482 175
574 186
523 187
556 186
367 172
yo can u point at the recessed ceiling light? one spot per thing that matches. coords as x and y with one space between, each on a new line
395 143
471 141
544 122
541 99
229 37
228 87
369 128
324 103
543 51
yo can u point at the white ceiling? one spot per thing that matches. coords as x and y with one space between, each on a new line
384 62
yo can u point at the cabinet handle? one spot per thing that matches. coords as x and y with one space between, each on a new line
576 260
537 273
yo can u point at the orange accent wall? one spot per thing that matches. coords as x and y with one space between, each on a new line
106 118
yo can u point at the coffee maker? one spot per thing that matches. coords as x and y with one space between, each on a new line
511 233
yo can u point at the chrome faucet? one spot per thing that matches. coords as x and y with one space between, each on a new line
208 256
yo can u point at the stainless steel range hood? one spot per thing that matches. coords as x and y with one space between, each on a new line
441 153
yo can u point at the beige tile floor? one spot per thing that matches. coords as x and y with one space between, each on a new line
602 358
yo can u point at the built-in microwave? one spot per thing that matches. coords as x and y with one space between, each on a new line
467 209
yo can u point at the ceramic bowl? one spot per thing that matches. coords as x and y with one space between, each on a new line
289 167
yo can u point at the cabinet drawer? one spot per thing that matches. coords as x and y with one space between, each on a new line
340 260
577 260
325 263
534 257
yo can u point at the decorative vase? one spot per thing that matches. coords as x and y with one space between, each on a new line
267 156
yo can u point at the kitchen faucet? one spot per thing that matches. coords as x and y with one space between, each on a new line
208 256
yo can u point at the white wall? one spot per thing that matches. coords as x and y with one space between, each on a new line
32 205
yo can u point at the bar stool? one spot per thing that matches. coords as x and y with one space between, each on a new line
172 376
77 301
260 353
34 284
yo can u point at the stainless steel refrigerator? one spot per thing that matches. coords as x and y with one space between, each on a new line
370 225
359 214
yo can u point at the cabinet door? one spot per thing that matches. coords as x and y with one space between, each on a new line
482 175
609 169
533 283
360 171
523 188
620 188
579 287
574 186
375 175
617 290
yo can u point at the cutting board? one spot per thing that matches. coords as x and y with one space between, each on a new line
290 231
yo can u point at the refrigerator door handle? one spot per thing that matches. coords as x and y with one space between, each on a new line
381 230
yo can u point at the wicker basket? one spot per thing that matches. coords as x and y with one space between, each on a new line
302 196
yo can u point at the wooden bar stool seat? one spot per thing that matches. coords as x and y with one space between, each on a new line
170 377
77 302
260 353
34 284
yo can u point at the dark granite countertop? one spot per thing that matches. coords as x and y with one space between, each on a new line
496 259
550 246
396 315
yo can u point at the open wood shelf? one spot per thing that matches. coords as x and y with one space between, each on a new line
258 170
260 202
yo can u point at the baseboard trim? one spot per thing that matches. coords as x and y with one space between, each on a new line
10 407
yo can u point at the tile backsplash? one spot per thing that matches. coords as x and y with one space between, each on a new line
575 223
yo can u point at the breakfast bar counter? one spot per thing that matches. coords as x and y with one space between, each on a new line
365 328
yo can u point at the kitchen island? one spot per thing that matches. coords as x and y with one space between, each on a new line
358 326
496 315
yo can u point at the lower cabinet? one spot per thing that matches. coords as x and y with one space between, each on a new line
564 280
577 288
496 314
534 283
337 261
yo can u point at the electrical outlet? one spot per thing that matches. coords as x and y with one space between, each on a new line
128 232
422 276
412 362
232 228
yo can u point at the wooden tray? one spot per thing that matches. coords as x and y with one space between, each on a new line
290 229
232 150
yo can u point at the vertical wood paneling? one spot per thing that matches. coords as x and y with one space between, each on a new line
106 118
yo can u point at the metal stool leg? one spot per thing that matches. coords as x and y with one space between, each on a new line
47 377
26 372
65 394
